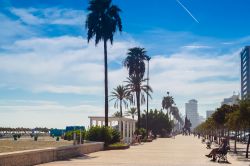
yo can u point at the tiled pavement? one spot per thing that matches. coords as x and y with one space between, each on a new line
181 151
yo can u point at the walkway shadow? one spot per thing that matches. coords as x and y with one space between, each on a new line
240 156
81 157
221 162
84 157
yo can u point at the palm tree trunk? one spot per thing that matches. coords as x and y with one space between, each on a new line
121 108
106 81
138 109
235 140
248 142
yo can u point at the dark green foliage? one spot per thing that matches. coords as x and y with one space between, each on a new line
70 135
121 96
103 134
115 136
143 132
103 20
135 63
57 138
219 116
158 122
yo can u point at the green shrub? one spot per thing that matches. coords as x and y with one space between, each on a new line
118 145
141 132
70 135
103 134
57 138
115 136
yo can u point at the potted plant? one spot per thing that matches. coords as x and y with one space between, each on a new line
35 137
15 137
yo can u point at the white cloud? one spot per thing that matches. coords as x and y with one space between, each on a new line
68 65
12 29
46 114
57 16
187 75
68 89
194 46
63 64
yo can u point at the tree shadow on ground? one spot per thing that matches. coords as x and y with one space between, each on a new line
240 155
81 157
221 162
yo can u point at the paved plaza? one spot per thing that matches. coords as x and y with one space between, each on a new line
181 151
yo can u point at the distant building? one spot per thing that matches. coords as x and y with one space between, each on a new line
201 119
191 109
209 113
245 72
231 100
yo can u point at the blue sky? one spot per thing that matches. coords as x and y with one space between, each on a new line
50 75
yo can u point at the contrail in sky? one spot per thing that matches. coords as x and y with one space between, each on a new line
187 11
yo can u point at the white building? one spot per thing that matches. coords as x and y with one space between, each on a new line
209 113
231 100
192 112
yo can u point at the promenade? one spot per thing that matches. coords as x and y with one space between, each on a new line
181 151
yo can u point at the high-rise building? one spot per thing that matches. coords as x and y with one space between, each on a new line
192 112
209 113
245 72
231 100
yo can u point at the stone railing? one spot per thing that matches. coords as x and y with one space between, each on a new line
38 156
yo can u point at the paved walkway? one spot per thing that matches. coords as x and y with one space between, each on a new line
181 151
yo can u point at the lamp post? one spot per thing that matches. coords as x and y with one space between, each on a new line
148 59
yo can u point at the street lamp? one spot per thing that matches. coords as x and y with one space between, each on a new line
148 59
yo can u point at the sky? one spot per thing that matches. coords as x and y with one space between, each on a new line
51 77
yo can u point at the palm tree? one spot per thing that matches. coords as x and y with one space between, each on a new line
135 63
138 90
167 103
132 112
121 96
102 22
117 114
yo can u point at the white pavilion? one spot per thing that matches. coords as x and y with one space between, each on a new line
126 126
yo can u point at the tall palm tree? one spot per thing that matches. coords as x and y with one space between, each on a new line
121 96
132 112
138 90
102 22
167 103
135 63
